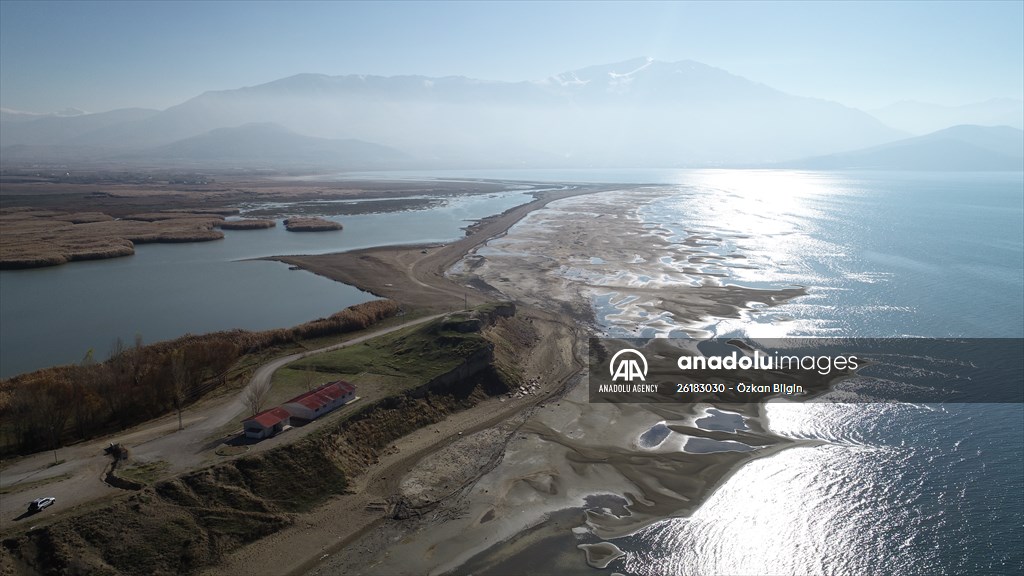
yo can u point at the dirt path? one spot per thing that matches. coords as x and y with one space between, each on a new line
326 530
414 276
78 478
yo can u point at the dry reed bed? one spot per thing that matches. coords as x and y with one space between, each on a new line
182 214
36 238
30 239
305 224
246 224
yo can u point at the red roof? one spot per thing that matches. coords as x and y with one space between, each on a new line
324 395
269 418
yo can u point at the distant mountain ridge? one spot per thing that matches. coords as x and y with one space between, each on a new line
9 115
640 112
924 118
959 148
58 129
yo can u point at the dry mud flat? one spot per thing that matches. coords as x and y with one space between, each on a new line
577 472
574 471
596 251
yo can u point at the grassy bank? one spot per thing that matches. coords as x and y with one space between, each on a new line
181 525
56 406
392 364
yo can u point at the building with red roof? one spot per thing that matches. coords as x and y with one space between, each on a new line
320 401
266 423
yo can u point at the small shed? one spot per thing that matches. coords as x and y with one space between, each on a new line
266 423
320 401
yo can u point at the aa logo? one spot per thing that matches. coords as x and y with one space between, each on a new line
625 365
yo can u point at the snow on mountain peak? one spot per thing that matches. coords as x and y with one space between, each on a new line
627 76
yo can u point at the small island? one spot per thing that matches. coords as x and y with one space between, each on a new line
310 224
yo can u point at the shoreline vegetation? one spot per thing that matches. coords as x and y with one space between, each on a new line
140 382
36 239
353 466
182 525
247 224
55 218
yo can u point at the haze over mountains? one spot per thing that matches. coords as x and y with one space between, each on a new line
920 118
965 147
637 113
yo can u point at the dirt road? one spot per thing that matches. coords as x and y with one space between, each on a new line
414 276
319 533
78 478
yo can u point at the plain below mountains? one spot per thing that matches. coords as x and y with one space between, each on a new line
959 148
268 144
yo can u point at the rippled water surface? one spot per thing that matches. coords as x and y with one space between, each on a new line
892 488
899 489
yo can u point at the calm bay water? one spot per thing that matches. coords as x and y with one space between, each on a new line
55 315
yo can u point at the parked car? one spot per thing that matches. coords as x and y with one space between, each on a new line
40 503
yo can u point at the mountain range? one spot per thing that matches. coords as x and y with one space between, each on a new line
636 113
920 118
966 147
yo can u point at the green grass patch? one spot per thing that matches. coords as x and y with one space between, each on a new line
391 363
144 473
231 450
322 341
290 381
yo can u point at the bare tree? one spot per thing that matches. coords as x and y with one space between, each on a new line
53 405
119 390
84 397
308 376
256 395
181 382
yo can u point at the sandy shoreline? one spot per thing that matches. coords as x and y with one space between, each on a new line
565 452
547 463
416 275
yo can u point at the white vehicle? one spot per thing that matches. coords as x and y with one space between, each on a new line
40 503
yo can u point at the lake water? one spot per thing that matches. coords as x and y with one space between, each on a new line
55 315
898 489
895 488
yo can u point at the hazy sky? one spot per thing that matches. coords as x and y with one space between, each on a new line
104 55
